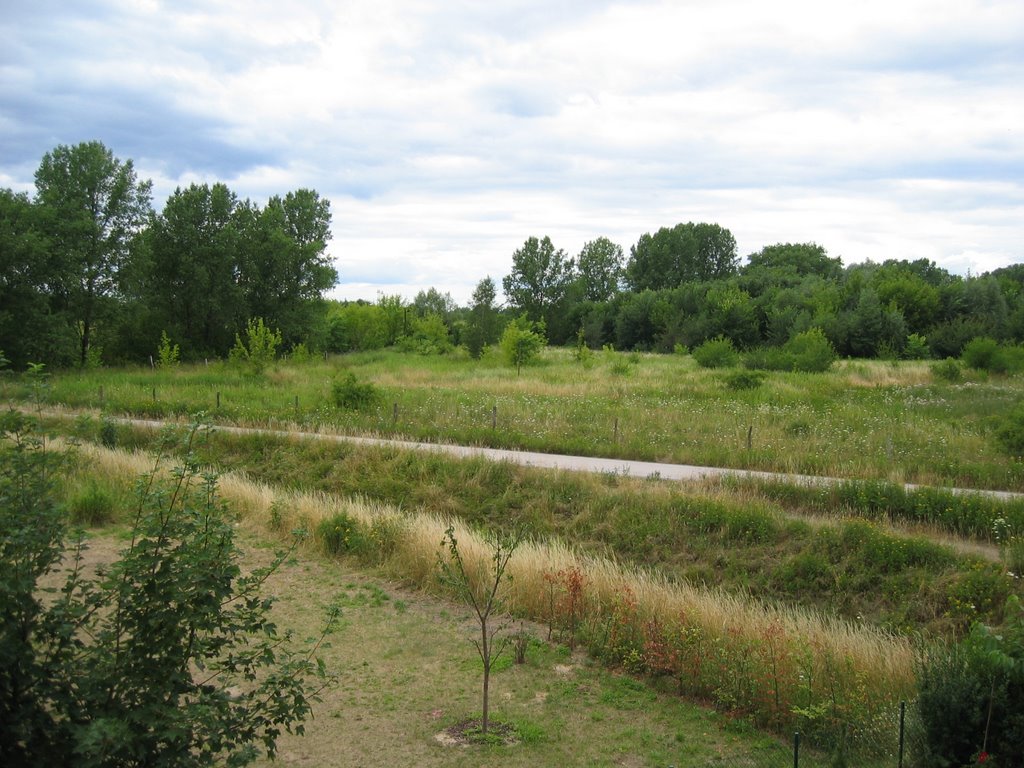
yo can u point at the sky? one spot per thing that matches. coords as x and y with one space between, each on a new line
447 132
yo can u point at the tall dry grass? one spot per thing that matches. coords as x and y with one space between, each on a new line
784 667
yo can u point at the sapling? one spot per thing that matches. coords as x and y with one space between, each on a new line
480 588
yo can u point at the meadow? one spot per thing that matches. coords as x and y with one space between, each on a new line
880 420
788 606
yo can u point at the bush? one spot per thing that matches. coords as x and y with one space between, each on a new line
1010 433
352 395
341 535
92 505
259 348
810 351
916 348
987 354
947 370
522 342
740 380
103 671
716 353
969 698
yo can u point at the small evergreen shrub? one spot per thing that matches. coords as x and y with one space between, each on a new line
716 353
350 394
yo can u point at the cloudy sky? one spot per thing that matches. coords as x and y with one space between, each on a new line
446 132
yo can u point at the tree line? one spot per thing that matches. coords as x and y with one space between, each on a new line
685 285
90 272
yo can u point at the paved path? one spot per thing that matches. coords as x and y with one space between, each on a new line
594 465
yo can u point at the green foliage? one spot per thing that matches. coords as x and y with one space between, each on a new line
429 336
947 370
259 348
985 354
166 657
521 342
716 353
350 394
969 698
481 589
740 380
811 351
91 505
168 355
342 535
1010 432
916 348
300 354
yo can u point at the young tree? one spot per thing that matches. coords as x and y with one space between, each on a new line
479 586
94 209
521 342
168 657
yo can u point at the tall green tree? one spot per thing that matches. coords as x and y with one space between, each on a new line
685 253
600 269
284 266
30 329
540 276
95 207
190 277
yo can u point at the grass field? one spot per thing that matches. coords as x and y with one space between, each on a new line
875 419
786 606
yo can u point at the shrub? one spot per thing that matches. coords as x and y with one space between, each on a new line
947 370
341 535
168 355
916 348
521 342
716 353
1010 433
352 395
985 354
259 348
969 698
811 351
740 380
103 671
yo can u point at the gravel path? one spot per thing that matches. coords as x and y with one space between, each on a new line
591 464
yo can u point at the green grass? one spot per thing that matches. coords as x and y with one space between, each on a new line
862 420
728 536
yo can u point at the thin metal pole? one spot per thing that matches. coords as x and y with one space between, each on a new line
796 750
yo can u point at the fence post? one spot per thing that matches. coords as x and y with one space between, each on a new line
154 394
394 415
750 437
296 406
218 401
903 717
151 364
494 417
615 437
796 750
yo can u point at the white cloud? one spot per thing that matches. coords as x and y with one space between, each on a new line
447 133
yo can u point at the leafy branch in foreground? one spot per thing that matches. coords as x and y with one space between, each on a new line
480 587
167 657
